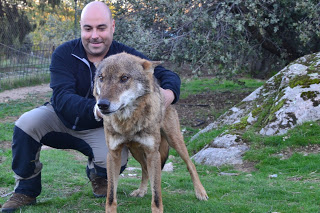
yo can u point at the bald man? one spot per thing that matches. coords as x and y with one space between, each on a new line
67 121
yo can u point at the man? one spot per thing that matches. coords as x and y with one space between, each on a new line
68 121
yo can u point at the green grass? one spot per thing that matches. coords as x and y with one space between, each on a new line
203 139
31 80
295 189
196 86
66 189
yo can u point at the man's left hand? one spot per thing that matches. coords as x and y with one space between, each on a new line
168 96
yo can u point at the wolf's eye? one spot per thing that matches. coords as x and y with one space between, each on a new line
100 77
124 78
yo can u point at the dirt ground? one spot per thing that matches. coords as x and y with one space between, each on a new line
199 110
23 92
196 111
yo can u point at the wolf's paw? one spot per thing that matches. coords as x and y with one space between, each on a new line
138 193
201 194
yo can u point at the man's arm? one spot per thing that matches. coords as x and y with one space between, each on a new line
168 96
68 98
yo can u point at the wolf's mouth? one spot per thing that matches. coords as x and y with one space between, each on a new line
121 107
108 112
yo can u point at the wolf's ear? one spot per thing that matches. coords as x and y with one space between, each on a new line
147 65
96 64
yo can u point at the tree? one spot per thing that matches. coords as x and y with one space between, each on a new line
225 37
14 22
56 20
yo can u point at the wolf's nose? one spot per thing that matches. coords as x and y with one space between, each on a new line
103 104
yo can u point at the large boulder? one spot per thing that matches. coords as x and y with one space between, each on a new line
289 98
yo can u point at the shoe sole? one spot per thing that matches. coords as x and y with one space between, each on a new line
98 196
13 210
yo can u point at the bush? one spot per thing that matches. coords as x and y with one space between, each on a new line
225 37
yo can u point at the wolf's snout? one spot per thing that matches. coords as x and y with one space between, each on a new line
103 104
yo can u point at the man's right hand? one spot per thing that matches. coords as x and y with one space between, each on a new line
97 114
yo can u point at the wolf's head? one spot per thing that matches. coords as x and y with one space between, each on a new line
120 80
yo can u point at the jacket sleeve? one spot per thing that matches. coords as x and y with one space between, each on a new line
73 109
167 79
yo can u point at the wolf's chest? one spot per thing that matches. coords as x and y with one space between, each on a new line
127 131
115 140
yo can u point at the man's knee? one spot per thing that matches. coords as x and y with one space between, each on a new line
100 158
37 122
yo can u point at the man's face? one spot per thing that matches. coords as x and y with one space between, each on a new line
96 34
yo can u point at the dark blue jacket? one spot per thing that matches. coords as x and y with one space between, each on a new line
72 81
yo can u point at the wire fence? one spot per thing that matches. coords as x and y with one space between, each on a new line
24 65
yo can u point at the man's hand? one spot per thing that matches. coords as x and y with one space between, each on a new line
168 96
97 113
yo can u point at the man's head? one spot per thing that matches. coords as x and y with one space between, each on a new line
97 28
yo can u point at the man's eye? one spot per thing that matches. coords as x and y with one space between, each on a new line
124 78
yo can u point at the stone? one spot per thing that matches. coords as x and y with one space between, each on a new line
168 167
289 98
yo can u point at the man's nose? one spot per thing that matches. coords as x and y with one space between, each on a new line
94 33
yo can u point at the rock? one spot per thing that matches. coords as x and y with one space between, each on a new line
132 168
273 176
224 150
289 98
220 156
225 141
228 174
168 167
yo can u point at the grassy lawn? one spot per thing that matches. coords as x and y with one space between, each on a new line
279 182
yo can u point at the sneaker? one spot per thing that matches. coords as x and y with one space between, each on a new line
99 186
17 201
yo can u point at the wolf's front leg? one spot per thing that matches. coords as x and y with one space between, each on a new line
154 170
113 171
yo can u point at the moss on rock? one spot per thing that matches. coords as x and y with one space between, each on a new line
303 81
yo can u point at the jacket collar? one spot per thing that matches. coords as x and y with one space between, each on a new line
78 49
79 53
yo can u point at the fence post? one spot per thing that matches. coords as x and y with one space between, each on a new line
75 19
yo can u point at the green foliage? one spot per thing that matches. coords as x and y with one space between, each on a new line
49 33
54 20
226 37
14 21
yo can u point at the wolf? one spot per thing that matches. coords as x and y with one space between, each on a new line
129 100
